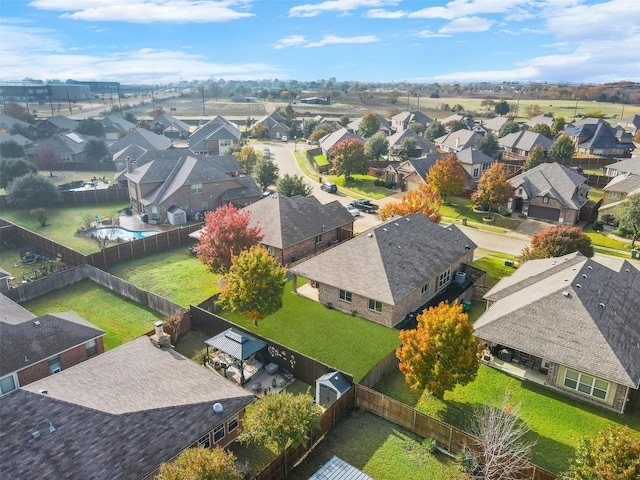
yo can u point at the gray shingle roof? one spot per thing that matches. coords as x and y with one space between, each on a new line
629 165
236 343
573 311
525 140
287 221
471 156
395 140
336 137
458 140
337 379
35 339
116 416
391 260
626 183
142 138
555 181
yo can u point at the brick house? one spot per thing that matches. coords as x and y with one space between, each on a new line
119 415
402 120
37 347
214 137
616 193
391 270
296 227
572 319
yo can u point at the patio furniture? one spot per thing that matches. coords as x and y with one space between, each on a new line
256 386
271 368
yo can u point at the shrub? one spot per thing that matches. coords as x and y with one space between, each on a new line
522 215
466 460
598 225
430 444
623 232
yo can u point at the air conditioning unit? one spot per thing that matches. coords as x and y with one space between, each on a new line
55 370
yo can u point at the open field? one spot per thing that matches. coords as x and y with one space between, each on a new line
121 318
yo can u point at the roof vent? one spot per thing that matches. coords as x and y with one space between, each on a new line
218 408
37 323
35 435
467 247
44 391
584 275
590 267
407 219
384 229
601 305
370 235
26 360
396 224
578 285
627 270
566 294
51 427
450 229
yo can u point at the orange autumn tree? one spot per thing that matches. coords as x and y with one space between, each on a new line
423 200
441 353
447 176
494 188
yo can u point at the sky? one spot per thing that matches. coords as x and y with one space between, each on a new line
420 41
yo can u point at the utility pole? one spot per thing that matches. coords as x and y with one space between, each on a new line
202 92
50 90
119 101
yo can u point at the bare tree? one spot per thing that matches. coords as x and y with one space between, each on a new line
501 451
174 322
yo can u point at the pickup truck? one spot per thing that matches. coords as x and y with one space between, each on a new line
365 206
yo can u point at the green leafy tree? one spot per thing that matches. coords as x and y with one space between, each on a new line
434 130
456 125
308 127
32 191
447 176
265 173
558 125
376 146
501 108
226 233
563 148
41 214
457 108
11 149
344 120
292 185
408 148
280 420
417 127
96 150
364 96
201 464
246 157
393 97
535 158
488 104
254 285
130 117
557 241
488 144
91 127
507 128
493 188
628 214
542 129
12 168
348 157
18 112
369 125
533 111
259 131
611 454
441 353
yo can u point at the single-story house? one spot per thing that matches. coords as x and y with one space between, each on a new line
19 139
330 140
115 126
68 147
119 415
630 124
459 117
544 118
160 180
520 144
214 137
170 127
389 271
402 120
423 146
629 165
36 347
495 124
385 125
13 125
615 193
276 125
456 141
55 124
296 227
550 191
573 319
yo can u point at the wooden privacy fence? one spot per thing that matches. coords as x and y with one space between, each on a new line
448 436
283 464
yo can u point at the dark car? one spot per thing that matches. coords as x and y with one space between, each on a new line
329 187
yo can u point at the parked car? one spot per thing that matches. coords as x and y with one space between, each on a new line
329 187
266 153
365 206
267 193
352 210
284 138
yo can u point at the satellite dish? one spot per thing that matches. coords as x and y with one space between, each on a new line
218 408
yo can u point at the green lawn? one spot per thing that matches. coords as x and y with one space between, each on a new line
324 334
494 267
457 208
604 239
175 275
63 223
380 449
121 318
360 186
556 421
320 160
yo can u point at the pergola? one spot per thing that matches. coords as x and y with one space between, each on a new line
236 344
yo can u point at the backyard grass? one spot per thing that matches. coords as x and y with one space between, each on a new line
320 160
63 223
494 267
327 335
556 421
121 318
380 449
175 275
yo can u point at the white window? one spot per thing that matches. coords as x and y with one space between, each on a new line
92 348
375 305
225 144
196 188
486 165
346 296
545 200
425 289
476 172
205 442
218 433
154 212
54 365
444 278
586 384
318 238
65 157
613 195
232 423
7 384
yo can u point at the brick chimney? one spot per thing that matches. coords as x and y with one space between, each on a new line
160 338
129 165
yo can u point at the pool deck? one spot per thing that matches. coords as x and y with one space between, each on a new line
133 222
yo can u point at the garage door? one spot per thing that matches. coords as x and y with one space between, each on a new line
545 213
412 186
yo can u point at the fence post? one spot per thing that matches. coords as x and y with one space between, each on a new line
414 420
450 438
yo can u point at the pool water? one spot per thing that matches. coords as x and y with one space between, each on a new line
122 234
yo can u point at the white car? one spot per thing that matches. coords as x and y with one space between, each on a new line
284 138
266 153
352 210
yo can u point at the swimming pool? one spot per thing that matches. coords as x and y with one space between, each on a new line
121 234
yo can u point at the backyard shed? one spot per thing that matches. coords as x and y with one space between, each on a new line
176 215
338 469
330 387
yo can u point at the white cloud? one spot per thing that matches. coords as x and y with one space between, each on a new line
336 40
464 8
428 34
290 41
385 14
148 11
339 6
467 24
